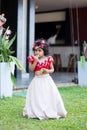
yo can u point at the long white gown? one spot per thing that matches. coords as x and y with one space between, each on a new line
43 100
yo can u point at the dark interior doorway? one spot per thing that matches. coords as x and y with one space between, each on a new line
9 8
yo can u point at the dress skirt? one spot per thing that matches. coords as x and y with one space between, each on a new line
43 100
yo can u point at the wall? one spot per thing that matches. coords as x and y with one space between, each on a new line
81 28
65 52
49 17
46 26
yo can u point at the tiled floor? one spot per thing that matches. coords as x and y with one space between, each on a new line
58 77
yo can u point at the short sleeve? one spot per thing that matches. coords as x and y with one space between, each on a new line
50 59
30 59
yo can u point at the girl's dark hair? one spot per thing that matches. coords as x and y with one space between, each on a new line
43 45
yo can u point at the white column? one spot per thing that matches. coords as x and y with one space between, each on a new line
31 31
24 36
19 33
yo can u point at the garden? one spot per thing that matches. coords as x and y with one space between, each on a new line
75 100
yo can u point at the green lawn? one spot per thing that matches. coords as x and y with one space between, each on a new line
75 99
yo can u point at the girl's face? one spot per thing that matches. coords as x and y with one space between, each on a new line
38 51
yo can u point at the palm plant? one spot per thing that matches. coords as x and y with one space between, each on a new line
6 54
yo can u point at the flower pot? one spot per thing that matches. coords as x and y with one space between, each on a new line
82 74
6 86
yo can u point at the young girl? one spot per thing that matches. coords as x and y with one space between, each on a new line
43 100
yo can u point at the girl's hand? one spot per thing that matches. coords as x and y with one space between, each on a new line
44 71
36 57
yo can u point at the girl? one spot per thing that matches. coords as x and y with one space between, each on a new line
43 100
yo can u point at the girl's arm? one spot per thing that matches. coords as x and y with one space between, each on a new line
51 70
45 71
33 65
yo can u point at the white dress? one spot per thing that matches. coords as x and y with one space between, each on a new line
43 100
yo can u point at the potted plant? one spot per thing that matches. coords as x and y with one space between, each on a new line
82 67
7 65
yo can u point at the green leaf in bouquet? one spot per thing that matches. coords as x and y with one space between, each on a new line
82 60
10 42
13 79
17 63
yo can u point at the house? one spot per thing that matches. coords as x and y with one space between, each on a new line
21 16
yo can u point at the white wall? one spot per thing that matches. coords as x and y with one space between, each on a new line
65 52
50 17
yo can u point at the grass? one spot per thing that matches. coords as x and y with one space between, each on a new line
75 100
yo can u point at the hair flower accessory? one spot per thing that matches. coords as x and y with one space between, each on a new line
39 43
43 41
